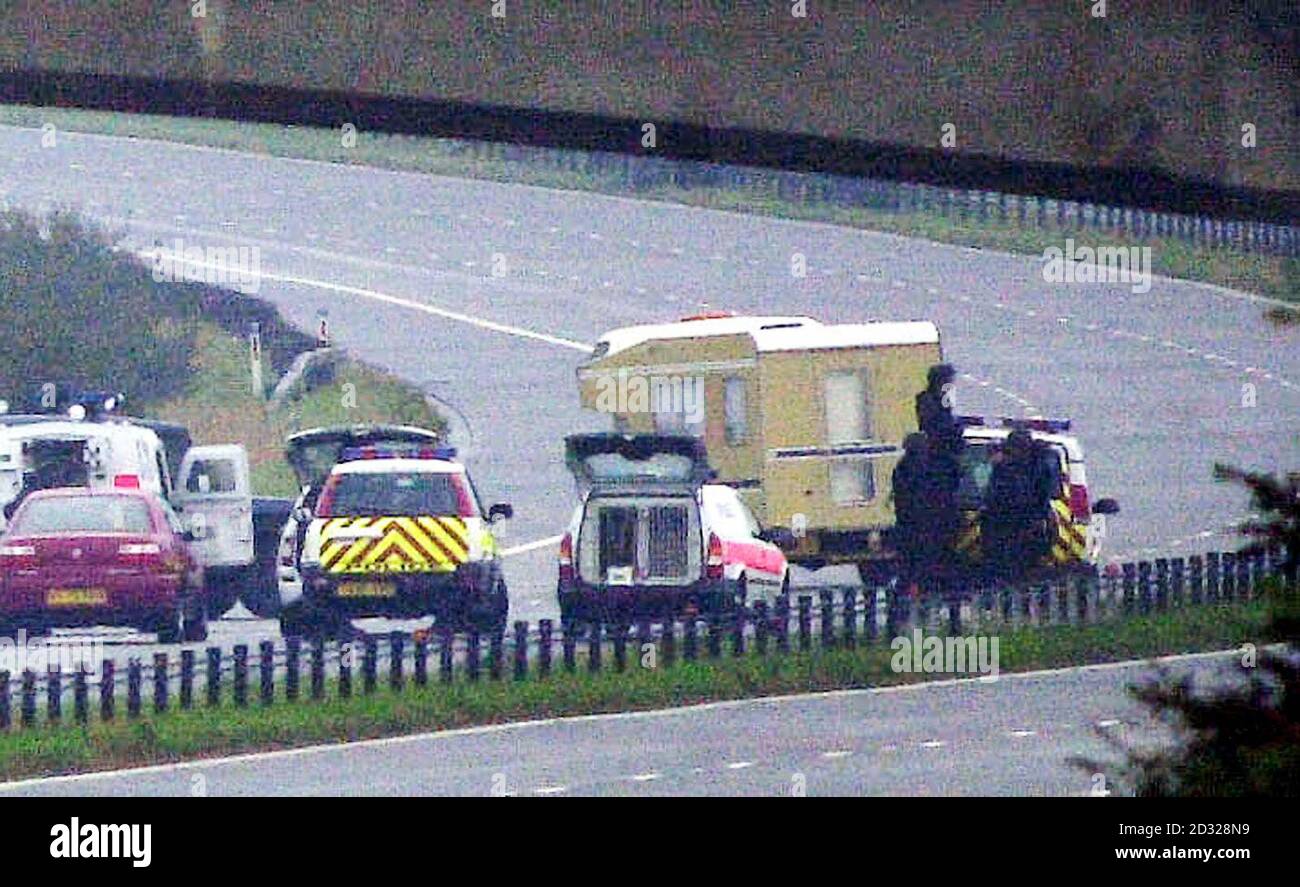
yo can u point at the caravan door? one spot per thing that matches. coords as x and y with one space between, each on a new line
215 500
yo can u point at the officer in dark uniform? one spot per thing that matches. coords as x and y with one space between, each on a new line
1013 529
910 507
934 408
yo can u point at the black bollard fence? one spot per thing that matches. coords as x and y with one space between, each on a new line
422 659
27 707
213 688
1128 586
620 646
54 695
762 625
318 668
1162 584
1228 576
1195 579
805 623
266 667
80 706
347 653
1145 588
569 646
239 682
521 651
134 677
396 660
1212 578
446 652
187 679
160 682
690 639
738 631
642 638
107 690
292 666
496 653
851 618
668 641
594 642
545 628
783 623
828 619
369 665
715 635
6 710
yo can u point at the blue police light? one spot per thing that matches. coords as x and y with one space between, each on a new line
1038 423
354 454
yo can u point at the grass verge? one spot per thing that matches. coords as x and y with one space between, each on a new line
206 732
1269 276
219 406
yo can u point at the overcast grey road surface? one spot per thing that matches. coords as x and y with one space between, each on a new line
1012 736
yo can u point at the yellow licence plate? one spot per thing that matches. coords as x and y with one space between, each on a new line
75 597
367 589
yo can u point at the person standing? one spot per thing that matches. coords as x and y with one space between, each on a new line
934 408
1013 528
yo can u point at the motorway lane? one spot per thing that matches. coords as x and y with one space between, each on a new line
1012 736
1144 375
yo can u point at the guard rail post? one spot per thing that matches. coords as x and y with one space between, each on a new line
27 707
422 659
107 690
805 623
396 660
54 694
446 653
212 689
595 641
1195 579
1228 576
160 682
369 665
620 645
783 623
851 618
134 677
545 628
1177 582
1212 578
828 618
689 639
345 670
266 668
668 641
521 650
472 654
240 680
80 708
318 668
292 654
738 631
496 652
569 647
6 711
760 627
187 679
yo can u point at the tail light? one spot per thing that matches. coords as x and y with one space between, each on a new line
566 558
714 565
1079 506
127 481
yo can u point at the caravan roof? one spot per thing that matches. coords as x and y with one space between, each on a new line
846 335
630 336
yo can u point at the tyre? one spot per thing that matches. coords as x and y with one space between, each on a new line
195 628
169 626
490 617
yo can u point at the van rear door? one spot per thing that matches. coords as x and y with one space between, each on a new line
214 498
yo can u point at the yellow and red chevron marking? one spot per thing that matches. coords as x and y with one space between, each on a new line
1071 542
393 544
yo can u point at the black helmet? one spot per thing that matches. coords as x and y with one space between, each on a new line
941 374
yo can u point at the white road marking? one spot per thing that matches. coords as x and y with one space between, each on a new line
1021 734
550 790
530 546
933 743
645 777
740 765
835 755
1109 722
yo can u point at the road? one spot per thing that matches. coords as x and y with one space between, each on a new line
1012 736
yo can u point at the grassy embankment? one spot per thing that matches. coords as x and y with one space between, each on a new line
1263 275
225 729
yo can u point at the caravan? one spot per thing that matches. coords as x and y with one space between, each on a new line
805 419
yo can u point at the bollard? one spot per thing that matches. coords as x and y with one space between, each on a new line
213 688
1177 581
240 680
81 711
471 654
27 707
851 618
738 631
869 615
133 680
805 623
160 682
690 642
594 641
828 619
345 670
369 664
396 655
544 631
6 713
760 627
1195 579
187 679
783 623
107 690
446 652
266 667
1228 576
496 651
620 646
668 641
1145 590
1162 584
642 638
422 660
1212 578
318 668
54 695
521 651
292 654
1128 585
569 647
714 623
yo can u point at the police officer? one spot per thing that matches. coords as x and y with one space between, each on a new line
910 507
1013 530
934 408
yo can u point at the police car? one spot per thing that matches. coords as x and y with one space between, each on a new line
1078 524
397 530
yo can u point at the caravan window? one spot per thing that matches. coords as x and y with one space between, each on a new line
848 413
853 481
733 404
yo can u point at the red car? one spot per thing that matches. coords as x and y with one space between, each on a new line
74 557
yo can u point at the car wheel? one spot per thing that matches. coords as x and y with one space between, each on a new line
196 624
169 626
490 617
